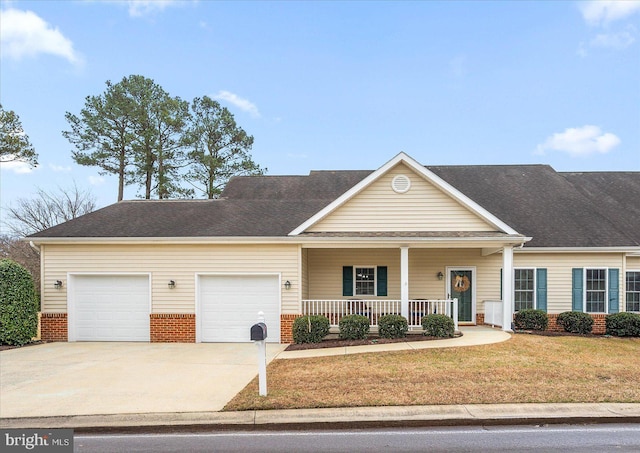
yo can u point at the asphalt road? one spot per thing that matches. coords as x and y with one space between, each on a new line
566 438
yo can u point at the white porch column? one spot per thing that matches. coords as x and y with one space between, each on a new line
507 288
404 281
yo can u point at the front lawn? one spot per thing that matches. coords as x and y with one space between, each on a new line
525 369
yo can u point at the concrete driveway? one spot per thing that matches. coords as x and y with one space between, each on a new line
57 379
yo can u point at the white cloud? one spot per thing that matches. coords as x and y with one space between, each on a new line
604 12
15 166
618 41
96 180
59 168
139 8
580 141
243 104
25 34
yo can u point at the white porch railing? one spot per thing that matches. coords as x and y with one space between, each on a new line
374 309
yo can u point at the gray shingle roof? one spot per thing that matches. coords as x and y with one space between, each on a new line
556 209
539 202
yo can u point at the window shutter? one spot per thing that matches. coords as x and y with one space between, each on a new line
382 281
614 290
541 289
500 284
347 280
576 288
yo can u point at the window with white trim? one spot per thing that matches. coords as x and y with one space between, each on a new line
632 288
365 281
524 289
595 290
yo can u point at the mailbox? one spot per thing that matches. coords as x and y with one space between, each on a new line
259 332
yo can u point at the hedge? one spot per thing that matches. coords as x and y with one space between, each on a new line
531 319
438 326
310 329
575 322
623 324
18 304
354 327
392 326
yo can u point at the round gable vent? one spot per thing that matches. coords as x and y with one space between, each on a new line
401 184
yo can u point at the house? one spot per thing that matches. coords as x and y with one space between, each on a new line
473 242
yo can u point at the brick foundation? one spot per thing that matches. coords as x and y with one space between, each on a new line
53 327
286 328
479 319
173 328
599 323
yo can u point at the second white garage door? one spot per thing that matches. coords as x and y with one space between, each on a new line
229 306
109 308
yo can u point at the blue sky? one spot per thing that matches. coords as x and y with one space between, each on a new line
339 85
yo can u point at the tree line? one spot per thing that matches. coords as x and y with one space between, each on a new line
167 146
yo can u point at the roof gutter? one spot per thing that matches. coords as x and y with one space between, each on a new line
364 241
633 250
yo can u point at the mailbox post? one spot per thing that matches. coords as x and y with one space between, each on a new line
259 335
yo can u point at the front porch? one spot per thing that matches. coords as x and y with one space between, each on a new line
462 281
415 309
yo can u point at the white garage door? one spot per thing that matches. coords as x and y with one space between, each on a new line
229 306
110 308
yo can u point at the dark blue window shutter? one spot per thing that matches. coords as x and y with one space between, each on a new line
382 281
614 290
541 289
347 280
576 288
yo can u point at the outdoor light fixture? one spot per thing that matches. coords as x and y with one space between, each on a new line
57 284
287 285
172 284
440 275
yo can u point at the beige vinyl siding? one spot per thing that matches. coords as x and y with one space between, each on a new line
168 262
304 277
633 262
325 270
559 275
423 208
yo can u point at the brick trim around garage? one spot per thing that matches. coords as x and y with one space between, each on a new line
53 327
173 328
286 328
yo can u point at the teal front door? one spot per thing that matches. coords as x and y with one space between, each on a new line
461 287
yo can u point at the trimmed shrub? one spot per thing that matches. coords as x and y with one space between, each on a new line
310 329
354 327
438 326
392 326
623 324
531 319
18 304
575 322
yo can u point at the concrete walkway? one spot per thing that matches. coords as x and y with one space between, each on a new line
344 418
471 336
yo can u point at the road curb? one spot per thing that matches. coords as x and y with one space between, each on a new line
343 418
